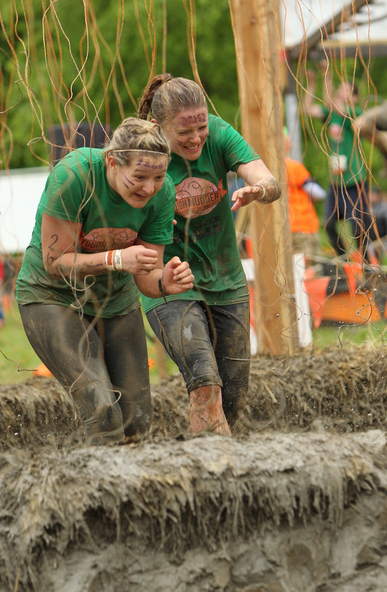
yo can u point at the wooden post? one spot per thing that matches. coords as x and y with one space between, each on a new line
260 76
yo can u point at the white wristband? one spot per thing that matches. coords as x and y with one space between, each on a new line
117 260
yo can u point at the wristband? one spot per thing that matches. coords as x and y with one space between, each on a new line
109 260
263 190
117 260
162 291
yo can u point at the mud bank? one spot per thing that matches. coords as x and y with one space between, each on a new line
278 512
296 501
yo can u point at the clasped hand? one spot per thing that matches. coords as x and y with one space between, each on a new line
139 260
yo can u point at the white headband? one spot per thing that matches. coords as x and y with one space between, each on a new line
138 150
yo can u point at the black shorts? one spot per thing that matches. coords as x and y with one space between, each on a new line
209 344
102 363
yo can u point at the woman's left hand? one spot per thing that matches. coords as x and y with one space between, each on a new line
245 195
260 185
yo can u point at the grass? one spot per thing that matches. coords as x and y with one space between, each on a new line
18 360
343 334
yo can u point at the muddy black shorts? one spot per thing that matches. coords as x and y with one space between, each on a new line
209 344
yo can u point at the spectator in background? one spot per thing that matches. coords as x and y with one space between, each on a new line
379 234
347 198
372 125
303 192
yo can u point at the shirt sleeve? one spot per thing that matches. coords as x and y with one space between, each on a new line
65 188
235 149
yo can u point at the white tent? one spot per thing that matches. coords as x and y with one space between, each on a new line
348 23
20 191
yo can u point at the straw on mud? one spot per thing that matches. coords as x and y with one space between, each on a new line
342 388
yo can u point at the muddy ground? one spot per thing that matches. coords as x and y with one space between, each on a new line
296 501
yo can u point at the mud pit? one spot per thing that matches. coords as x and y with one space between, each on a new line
295 502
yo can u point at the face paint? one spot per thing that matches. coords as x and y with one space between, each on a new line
138 182
187 133
127 182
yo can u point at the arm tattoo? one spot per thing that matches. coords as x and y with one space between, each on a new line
50 259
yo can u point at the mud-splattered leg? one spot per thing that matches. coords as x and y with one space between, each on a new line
206 411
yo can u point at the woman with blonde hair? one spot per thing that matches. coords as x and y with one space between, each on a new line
100 230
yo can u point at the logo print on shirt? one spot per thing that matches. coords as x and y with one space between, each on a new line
104 239
197 197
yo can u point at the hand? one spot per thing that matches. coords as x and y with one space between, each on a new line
177 276
245 195
138 259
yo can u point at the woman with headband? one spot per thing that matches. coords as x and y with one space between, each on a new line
206 330
100 230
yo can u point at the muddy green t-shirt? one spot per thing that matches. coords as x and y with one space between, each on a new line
345 153
205 232
77 190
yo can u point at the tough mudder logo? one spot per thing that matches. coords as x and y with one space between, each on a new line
104 239
196 197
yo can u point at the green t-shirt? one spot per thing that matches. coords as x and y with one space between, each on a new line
77 190
344 146
205 231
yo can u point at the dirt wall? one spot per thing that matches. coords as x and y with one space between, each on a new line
294 502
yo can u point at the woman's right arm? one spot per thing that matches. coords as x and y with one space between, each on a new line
60 239
59 243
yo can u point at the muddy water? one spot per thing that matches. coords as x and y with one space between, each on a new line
296 501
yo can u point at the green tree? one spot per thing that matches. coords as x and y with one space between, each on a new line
91 62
